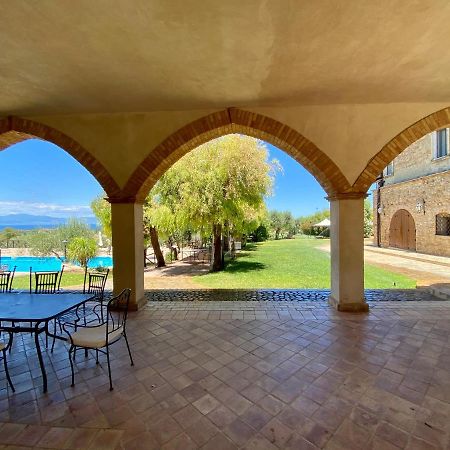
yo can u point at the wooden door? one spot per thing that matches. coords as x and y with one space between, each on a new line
402 232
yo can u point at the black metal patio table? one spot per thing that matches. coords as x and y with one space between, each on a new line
38 310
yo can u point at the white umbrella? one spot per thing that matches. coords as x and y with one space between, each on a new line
323 223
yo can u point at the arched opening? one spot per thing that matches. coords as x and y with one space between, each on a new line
412 173
347 270
435 121
348 212
274 245
235 120
402 231
49 181
15 129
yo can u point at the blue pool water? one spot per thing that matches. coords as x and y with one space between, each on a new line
23 263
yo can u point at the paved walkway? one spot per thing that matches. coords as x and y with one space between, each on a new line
244 375
427 269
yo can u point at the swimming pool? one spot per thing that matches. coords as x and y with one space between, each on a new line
23 263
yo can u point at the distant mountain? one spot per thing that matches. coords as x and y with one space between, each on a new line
28 221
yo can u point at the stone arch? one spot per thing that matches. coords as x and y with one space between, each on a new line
16 129
433 122
234 120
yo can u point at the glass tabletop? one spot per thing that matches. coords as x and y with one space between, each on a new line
38 307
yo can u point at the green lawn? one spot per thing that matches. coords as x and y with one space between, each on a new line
68 279
294 263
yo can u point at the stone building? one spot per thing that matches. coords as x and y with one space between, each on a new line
412 199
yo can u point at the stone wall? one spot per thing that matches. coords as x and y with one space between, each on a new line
417 161
434 192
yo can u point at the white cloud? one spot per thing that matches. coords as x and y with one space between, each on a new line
43 209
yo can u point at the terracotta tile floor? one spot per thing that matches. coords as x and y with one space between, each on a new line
253 375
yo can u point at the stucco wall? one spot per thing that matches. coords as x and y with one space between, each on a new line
351 135
434 192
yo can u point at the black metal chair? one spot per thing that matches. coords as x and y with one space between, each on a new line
100 336
4 349
6 279
94 283
45 282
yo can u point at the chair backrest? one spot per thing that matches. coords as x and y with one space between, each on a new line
117 311
94 283
45 282
6 279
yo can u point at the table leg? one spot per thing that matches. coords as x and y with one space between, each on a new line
39 353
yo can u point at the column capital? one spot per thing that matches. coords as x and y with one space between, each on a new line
347 196
123 200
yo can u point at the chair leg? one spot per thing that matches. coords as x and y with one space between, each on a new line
96 356
109 368
11 339
53 343
128 347
54 339
7 372
72 349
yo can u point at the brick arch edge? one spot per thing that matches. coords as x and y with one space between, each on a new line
16 129
430 123
234 120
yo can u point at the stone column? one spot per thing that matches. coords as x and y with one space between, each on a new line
347 252
128 250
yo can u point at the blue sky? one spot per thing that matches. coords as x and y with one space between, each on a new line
295 189
39 178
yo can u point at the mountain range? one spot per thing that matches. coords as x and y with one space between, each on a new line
28 221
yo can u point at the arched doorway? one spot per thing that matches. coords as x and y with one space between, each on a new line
402 231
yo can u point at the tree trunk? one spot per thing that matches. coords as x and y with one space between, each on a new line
233 249
156 248
217 262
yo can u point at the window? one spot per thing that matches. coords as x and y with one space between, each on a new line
389 169
443 224
441 143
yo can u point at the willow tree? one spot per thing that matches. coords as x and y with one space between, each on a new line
159 222
218 188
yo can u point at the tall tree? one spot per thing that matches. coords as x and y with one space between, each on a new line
219 188
102 211
276 223
157 217
368 218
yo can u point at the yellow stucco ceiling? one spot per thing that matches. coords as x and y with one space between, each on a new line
61 57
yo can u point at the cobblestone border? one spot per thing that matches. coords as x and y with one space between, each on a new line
281 295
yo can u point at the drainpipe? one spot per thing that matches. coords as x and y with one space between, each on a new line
380 184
